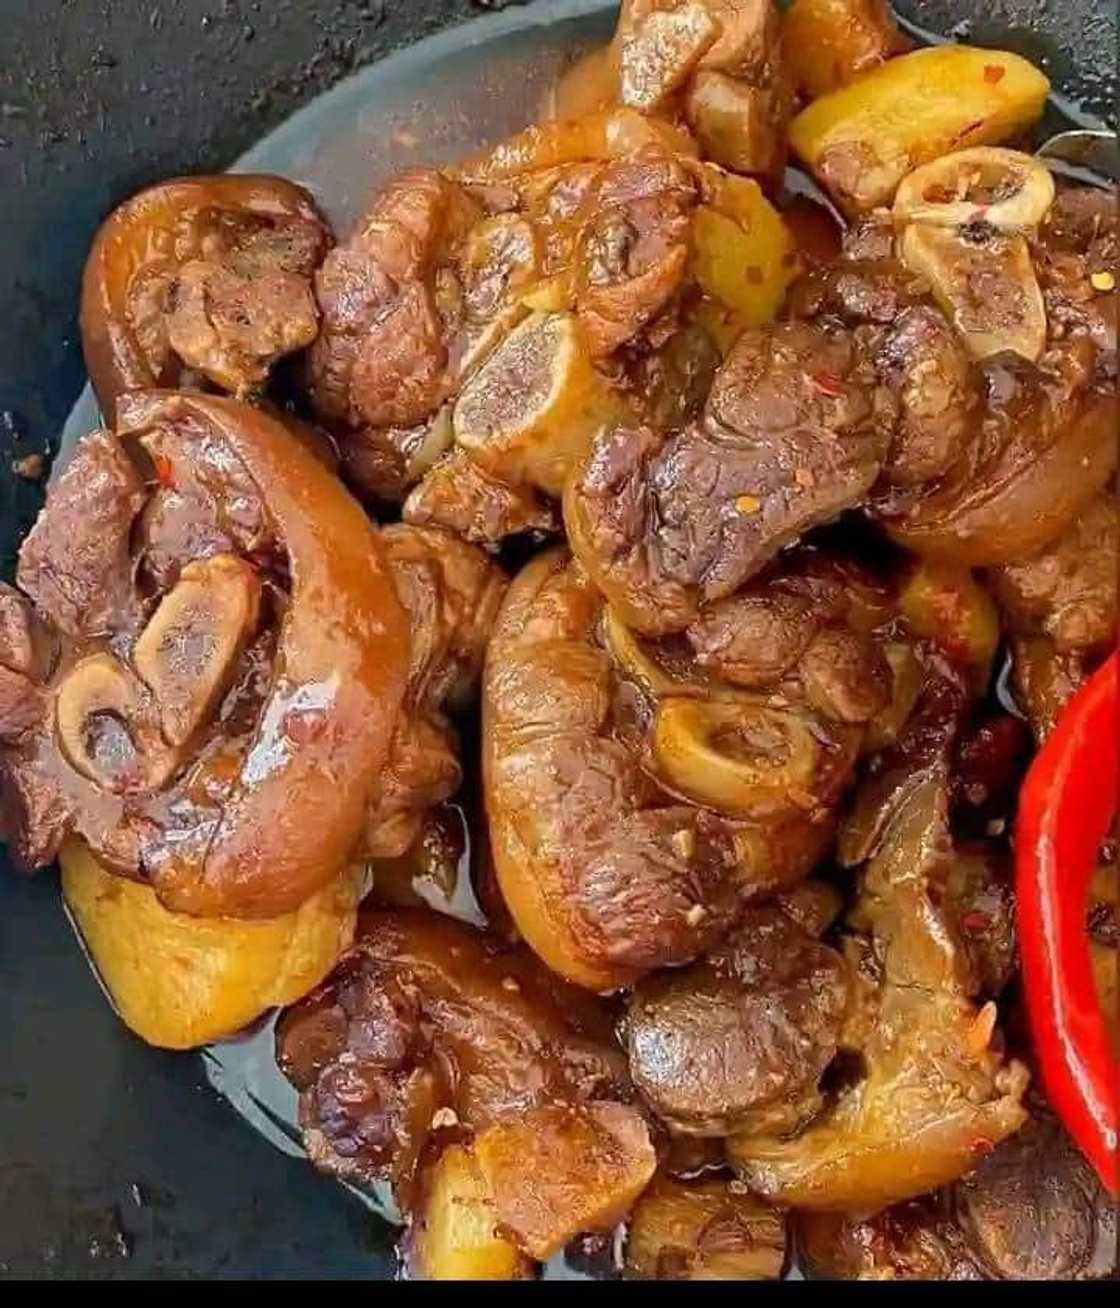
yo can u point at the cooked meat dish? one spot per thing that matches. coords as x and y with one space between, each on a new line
711 490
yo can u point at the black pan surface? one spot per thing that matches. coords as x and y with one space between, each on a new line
117 1161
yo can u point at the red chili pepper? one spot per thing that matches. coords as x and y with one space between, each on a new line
994 73
1069 800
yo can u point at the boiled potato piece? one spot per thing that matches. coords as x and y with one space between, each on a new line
744 256
529 412
704 1231
456 1235
560 1170
829 43
180 981
863 139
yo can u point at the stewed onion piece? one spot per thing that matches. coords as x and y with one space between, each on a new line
1004 189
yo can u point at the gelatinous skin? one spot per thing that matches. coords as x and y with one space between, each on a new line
223 740
141 234
303 788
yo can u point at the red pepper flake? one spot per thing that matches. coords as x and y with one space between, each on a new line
982 1146
828 384
994 73
165 472
754 275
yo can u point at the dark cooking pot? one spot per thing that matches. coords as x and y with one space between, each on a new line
117 1160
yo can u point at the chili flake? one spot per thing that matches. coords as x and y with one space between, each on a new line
994 73
828 384
165 472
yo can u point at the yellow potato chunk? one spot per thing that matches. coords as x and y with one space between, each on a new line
831 42
862 140
180 981
744 256
563 1169
456 1234
704 1231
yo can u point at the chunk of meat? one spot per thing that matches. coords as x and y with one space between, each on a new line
633 247
22 704
452 593
671 384
1068 591
795 432
738 1041
187 750
913 1241
460 495
381 358
231 328
723 59
1078 241
1044 449
26 644
1033 1210
383 464
656 51
201 275
923 362
1044 680
75 562
867 286
425 1014
804 626
933 1094
604 877
741 99
634 798
201 504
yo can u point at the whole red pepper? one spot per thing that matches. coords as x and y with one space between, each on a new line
1068 803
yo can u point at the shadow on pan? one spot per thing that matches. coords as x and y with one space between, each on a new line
117 1161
